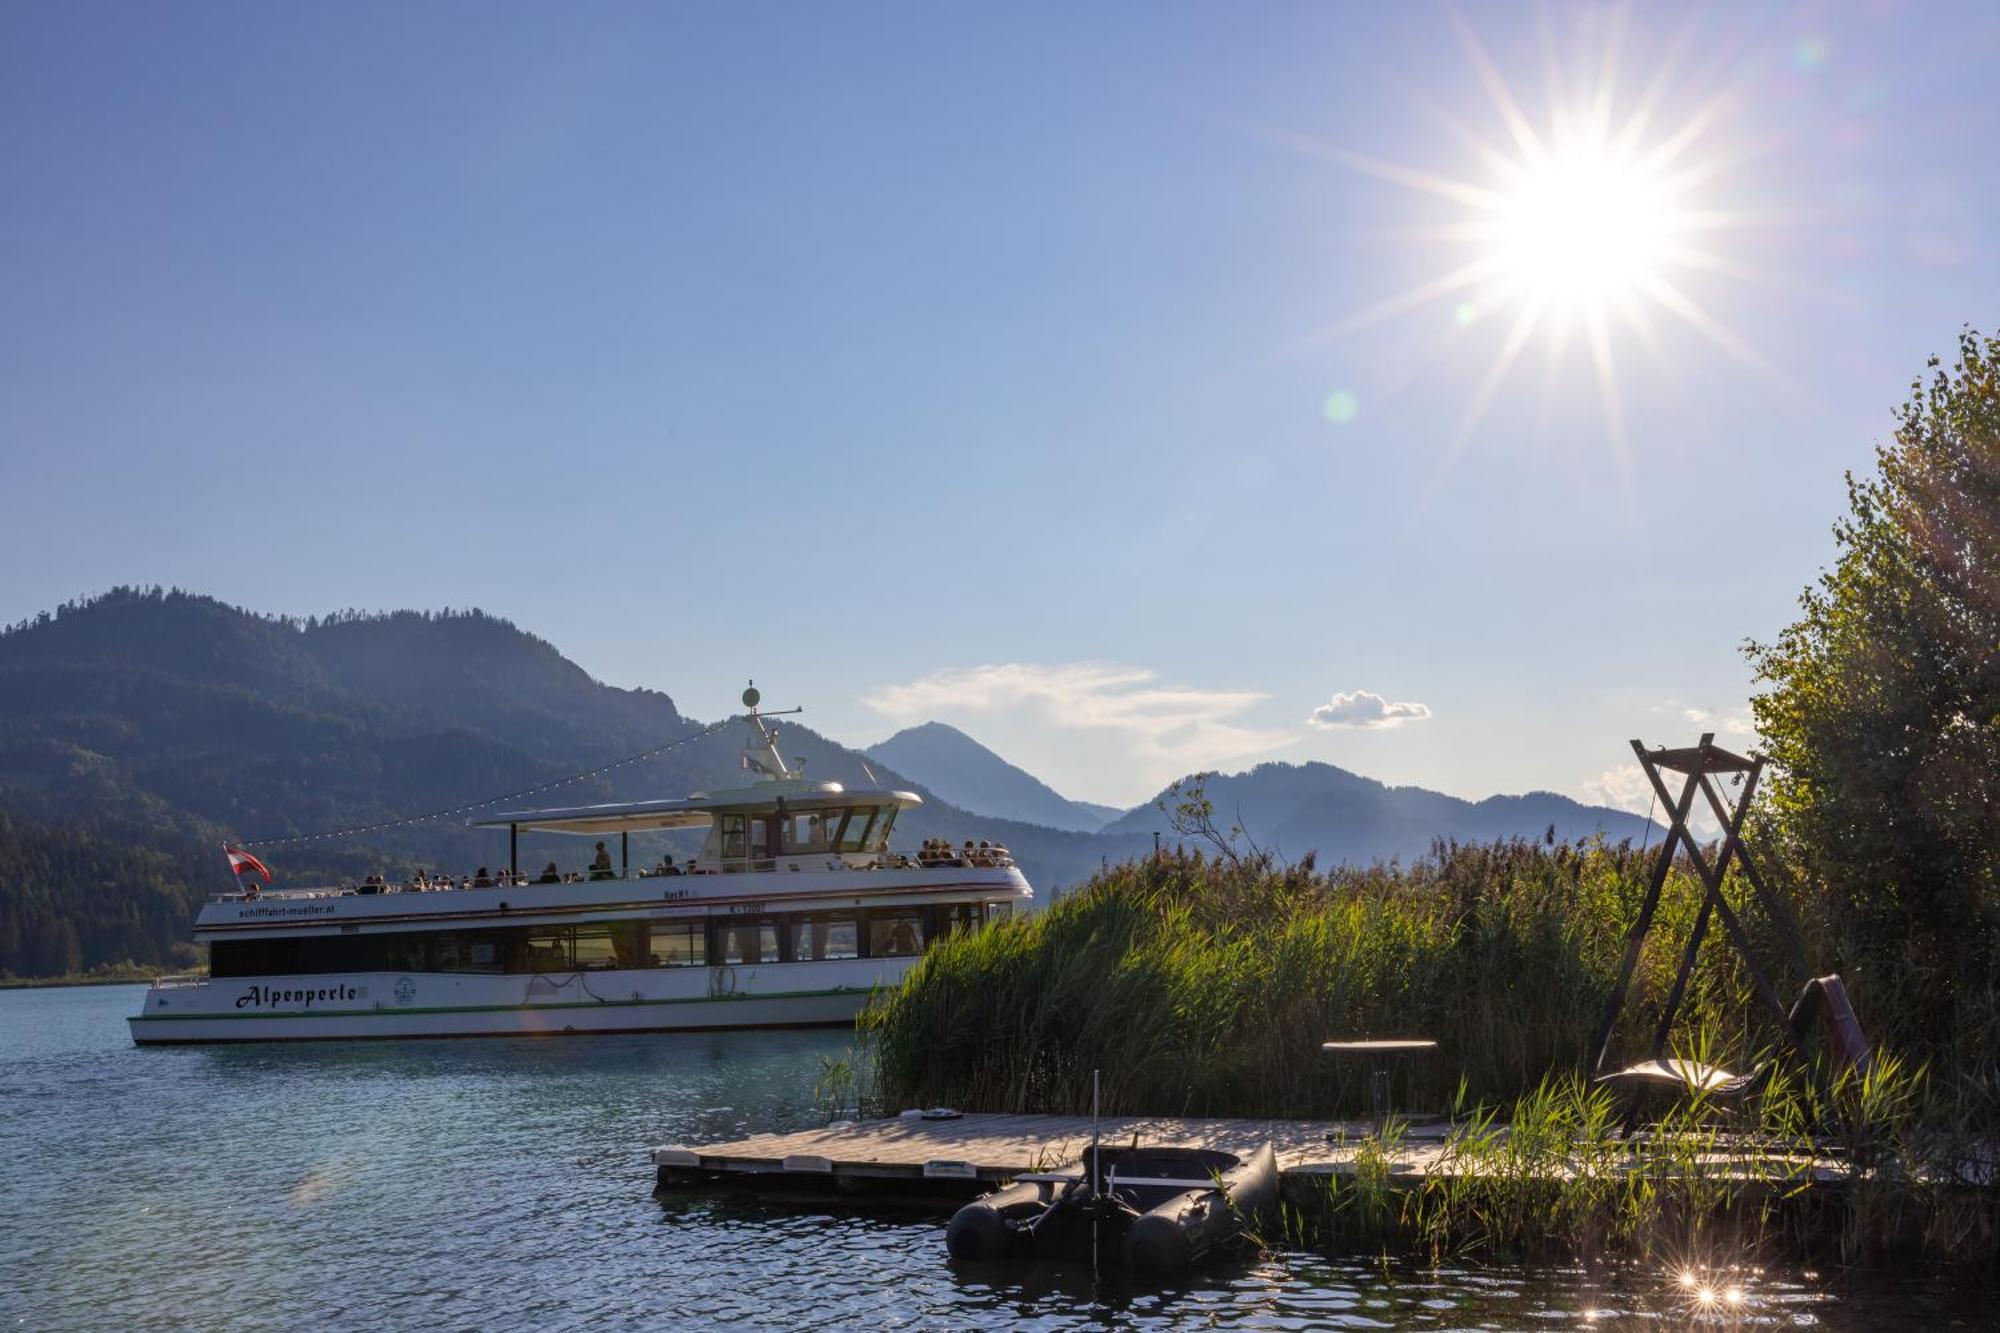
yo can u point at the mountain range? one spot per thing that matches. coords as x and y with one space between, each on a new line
140 729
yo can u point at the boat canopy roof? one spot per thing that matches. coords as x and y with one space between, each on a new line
699 809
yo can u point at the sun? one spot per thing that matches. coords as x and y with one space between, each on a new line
1580 226
1582 229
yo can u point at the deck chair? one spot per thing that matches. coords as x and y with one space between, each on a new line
1823 997
1689 1076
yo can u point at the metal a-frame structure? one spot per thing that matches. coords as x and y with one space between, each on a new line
1700 768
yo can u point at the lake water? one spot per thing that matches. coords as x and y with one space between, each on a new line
503 1185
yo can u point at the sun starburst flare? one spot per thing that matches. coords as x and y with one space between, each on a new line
1581 228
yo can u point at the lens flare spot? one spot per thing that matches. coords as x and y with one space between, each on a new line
1810 53
1464 313
1341 407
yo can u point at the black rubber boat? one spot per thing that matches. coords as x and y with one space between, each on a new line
1154 1210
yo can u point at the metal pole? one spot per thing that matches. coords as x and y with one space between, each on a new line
1097 1174
625 852
513 849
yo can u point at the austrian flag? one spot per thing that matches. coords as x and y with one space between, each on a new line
245 864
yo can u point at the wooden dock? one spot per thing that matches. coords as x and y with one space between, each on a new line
915 1157
982 1150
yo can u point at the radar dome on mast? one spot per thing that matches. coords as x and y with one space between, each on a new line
761 755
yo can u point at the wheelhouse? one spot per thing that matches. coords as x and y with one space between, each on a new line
789 824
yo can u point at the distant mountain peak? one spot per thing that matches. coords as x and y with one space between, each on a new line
972 777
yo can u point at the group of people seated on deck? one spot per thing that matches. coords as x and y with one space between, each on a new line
423 881
940 852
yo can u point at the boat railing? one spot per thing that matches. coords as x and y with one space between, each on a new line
931 857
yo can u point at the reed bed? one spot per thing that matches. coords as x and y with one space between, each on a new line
1204 987
1201 986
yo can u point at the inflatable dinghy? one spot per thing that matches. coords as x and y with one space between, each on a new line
1159 1211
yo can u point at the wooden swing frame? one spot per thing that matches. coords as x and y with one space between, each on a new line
1700 766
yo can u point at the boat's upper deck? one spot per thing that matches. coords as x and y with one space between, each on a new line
523 901
781 838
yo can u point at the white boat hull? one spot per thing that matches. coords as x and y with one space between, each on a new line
416 1005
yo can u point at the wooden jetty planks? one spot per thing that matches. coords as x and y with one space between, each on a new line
1007 1144
998 1147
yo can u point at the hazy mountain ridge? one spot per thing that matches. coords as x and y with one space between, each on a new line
1291 809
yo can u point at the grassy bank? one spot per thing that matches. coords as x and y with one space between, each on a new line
1203 987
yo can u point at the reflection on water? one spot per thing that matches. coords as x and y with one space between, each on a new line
503 1185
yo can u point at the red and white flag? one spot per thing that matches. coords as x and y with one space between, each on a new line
245 864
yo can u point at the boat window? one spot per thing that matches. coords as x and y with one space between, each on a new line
679 943
466 951
955 917
882 827
854 829
748 941
807 833
825 935
891 934
404 951
253 958
999 911
611 944
547 950
735 840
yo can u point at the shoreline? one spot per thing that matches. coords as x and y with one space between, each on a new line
54 983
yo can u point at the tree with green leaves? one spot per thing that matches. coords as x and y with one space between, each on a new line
1883 710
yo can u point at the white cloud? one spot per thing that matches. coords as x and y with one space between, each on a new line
1622 788
1723 724
1361 709
1168 729
1626 788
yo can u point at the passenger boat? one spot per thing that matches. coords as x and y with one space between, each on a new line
1158 1211
793 911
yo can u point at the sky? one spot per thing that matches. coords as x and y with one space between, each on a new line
1443 393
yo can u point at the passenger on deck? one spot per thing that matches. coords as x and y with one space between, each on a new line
482 880
550 875
421 881
667 866
601 867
